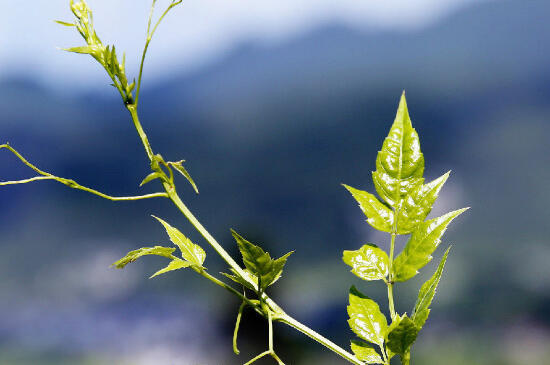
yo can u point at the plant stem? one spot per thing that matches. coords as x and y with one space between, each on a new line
390 281
285 318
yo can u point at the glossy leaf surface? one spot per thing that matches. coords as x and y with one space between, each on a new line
189 251
369 262
135 254
417 205
400 163
365 318
175 264
422 243
401 335
259 262
378 215
364 352
427 293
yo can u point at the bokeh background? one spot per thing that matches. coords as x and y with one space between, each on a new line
273 104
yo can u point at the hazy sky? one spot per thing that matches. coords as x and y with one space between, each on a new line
193 34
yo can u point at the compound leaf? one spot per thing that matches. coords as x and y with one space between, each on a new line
427 293
189 251
135 254
175 264
364 352
400 163
369 262
259 262
422 243
365 318
417 205
378 215
401 334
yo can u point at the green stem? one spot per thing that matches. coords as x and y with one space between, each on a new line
285 318
133 112
390 282
265 353
236 330
68 182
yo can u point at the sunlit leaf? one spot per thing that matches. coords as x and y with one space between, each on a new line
422 243
135 254
175 264
378 215
417 205
401 335
189 251
365 318
400 163
259 262
427 293
369 262
364 352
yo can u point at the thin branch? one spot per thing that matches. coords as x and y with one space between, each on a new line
70 183
150 34
236 331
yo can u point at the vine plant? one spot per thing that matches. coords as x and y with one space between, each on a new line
398 179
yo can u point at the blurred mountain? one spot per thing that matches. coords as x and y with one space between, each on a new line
270 132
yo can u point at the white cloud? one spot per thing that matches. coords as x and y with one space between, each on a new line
194 33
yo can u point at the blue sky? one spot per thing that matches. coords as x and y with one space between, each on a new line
195 33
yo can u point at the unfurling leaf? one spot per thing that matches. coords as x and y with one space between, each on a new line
417 205
427 293
189 251
401 335
175 264
400 163
179 167
422 243
378 215
152 176
365 318
364 352
134 255
259 262
369 262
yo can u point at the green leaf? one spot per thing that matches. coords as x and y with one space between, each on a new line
189 251
175 264
236 277
378 215
259 262
427 293
365 318
417 205
179 167
152 176
64 23
400 163
369 262
134 255
364 352
422 243
83 49
401 335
